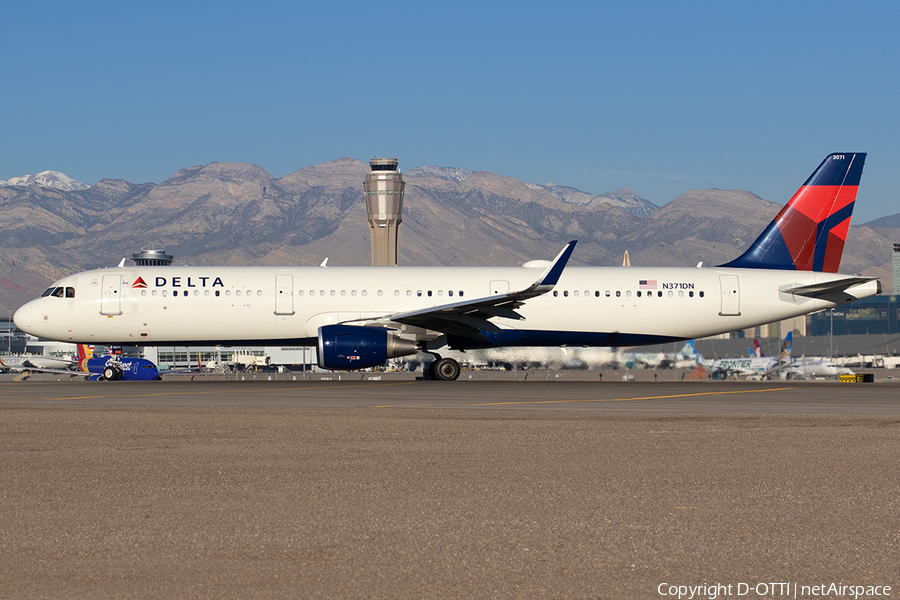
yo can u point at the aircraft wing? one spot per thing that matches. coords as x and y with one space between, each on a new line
184 371
27 365
468 318
27 370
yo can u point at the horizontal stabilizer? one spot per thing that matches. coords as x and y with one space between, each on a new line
829 288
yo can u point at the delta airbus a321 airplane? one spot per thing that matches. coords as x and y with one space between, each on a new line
359 317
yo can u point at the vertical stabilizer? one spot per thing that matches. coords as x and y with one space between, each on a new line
84 353
808 234
757 349
784 357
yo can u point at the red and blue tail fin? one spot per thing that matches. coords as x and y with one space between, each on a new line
808 234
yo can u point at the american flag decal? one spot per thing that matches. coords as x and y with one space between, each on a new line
647 284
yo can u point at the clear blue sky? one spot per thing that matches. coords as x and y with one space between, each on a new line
661 97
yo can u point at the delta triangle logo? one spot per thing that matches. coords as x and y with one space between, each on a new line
139 283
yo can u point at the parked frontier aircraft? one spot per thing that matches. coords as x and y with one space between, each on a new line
757 366
361 316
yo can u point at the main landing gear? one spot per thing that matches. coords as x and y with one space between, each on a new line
444 369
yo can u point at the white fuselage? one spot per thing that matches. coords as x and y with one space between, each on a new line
812 368
29 361
597 306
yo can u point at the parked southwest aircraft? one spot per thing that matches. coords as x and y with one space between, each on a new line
361 316
112 366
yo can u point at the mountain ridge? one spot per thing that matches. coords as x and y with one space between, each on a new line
238 213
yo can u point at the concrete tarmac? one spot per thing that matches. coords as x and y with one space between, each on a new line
403 489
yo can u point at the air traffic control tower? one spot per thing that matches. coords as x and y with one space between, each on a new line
385 189
895 270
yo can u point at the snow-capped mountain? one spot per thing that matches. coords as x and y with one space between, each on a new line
623 198
447 173
50 179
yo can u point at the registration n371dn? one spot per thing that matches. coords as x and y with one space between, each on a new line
361 316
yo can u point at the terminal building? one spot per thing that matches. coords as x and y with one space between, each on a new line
875 315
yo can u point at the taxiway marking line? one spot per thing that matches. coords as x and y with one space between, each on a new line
588 400
197 393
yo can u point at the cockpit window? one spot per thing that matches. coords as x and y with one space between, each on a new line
59 292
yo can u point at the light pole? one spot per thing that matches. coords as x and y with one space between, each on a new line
9 330
831 337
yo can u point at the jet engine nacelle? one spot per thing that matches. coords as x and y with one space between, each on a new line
348 347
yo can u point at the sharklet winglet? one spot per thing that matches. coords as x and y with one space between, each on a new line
548 279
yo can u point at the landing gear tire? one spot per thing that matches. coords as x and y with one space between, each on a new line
112 374
444 369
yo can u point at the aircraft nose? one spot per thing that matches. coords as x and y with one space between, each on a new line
22 317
